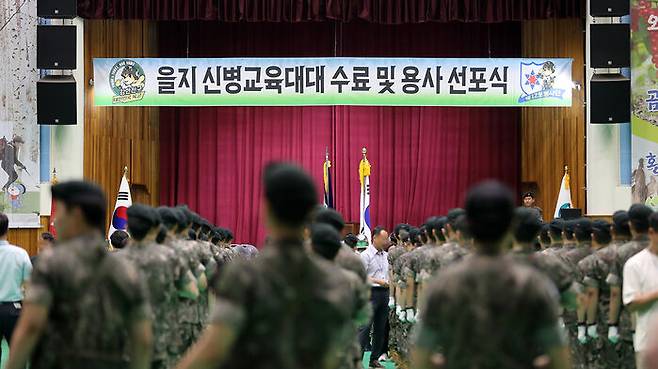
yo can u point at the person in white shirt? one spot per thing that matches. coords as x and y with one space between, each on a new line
375 261
640 289
15 269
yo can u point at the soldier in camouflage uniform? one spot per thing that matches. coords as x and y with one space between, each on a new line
487 311
430 265
394 253
162 274
346 258
186 308
435 238
524 230
595 269
621 234
284 309
638 215
572 254
325 241
555 232
84 308
544 237
205 253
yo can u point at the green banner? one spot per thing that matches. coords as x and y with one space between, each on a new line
644 98
332 81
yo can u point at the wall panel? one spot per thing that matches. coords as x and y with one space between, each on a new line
119 136
554 137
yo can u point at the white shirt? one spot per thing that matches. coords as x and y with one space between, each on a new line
15 269
640 277
376 263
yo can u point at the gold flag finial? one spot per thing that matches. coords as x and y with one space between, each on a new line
54 179
364 152
125 171
326 153
566 169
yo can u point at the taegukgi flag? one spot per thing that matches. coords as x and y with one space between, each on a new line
364 206
564 196
120 214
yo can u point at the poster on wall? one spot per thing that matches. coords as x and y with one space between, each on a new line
644 98
19 132
332 81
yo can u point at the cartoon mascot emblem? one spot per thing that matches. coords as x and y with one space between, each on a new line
538 81
128 80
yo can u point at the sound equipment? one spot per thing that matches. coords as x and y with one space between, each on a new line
609 8
56 47
56 100
610 99
61 9
610 45
570 213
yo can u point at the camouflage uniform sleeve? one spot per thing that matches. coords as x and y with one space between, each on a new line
614 278
40 290
543 300
427 334
587 268
135 290
234 283
556 270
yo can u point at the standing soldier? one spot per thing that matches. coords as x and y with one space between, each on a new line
524 230
185 308
346 258
621 234
555 232
638 216
83 302
161 274
572 254
263 307
505 303
325 242
595 269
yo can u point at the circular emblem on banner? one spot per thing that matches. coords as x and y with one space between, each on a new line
120 218
127 80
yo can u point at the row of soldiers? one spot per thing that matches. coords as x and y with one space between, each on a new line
583 258
178 255
180 295
141 306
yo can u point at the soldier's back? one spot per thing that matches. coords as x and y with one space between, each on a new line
156 265
93 296
488 313
294 309
347 259
554 268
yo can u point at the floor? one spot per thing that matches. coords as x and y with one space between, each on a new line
366 357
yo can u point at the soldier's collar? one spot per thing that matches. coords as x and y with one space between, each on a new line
641 237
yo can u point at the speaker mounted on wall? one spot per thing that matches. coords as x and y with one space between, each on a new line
56 47
56 100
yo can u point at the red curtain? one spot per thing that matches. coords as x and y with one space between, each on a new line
376 11
423 158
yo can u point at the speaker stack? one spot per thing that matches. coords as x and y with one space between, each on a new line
56 54
609 54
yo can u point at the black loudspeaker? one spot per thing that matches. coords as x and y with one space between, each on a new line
56 47
610 99
610 45
56 100
609 8
64 9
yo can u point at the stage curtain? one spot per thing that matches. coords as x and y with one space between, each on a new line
423 158
376 11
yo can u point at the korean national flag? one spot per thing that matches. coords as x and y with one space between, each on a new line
124 201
